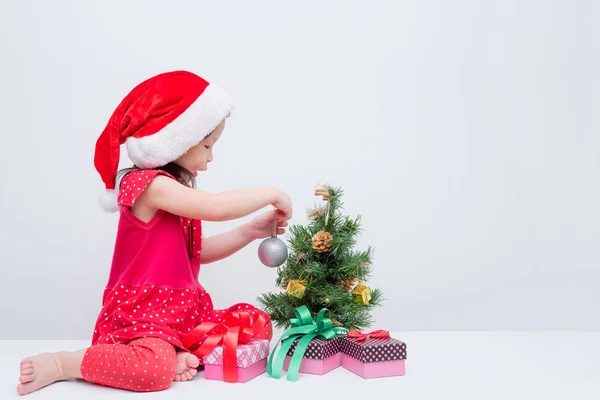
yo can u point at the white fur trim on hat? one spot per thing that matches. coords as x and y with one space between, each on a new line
186 131
108 201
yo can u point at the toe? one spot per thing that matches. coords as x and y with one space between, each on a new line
177 378
23 389
26 378
27 371
188 375
192 361
26 363
193 371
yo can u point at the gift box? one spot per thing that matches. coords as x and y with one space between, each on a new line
309 346
230 349
321 356
373 355
251 361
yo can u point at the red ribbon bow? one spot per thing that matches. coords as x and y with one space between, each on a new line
237 327
360 336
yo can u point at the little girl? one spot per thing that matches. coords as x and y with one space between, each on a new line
170 124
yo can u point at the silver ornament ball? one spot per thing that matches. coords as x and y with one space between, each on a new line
272 252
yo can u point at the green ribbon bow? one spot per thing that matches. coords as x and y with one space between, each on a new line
307 329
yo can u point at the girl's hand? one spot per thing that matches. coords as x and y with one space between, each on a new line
283 204
261 226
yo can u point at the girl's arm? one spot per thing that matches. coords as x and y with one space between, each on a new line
218 247
166 194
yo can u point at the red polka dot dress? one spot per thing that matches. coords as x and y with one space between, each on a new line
153 289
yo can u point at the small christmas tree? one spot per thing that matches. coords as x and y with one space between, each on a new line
323 270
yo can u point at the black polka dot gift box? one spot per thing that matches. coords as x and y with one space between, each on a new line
321 356
373 355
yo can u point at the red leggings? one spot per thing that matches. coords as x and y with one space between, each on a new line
142 365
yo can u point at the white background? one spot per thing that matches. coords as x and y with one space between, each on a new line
440 365
465 133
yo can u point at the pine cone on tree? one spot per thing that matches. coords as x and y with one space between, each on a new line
347 285
321 241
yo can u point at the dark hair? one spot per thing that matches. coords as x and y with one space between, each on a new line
182 175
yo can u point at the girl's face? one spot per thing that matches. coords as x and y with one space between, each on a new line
197 158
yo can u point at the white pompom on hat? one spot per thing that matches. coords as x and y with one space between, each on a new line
159 120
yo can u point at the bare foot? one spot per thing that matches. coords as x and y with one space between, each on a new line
46 368
38 371
187 366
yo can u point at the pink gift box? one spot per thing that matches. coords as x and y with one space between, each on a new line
321 356
374 357
378 369
316 367
251 361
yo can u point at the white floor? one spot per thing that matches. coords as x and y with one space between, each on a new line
440 365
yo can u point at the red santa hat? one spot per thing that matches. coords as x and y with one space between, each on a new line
159 120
